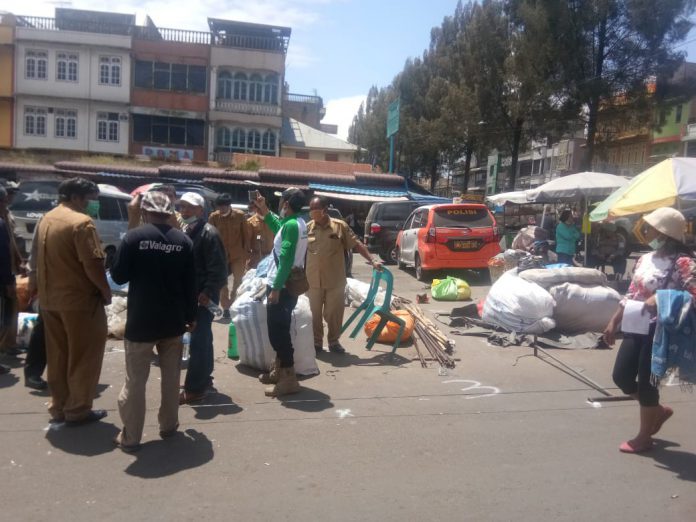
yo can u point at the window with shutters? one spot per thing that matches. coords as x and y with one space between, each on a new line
65 123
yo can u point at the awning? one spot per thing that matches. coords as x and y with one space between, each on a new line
359 193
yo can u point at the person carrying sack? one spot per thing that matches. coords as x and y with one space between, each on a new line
286 282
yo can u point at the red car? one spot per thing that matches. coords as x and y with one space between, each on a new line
455 236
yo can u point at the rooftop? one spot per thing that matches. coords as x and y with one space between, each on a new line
297 134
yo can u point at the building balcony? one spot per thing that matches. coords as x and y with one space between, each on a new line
244 107
690 133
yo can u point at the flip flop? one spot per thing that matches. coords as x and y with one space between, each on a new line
630 447
667 412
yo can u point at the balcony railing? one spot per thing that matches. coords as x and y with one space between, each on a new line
691 130
243 41
85 26
256 109
172 35
303 98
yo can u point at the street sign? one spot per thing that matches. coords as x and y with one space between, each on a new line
393 118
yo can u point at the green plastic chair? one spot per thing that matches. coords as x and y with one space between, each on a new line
369 308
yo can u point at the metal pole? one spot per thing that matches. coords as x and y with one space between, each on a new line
391 154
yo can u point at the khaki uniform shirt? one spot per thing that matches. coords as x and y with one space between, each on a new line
326 248
67 240
234 232
261 236
135 219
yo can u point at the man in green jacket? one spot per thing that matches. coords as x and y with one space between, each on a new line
289 250
567 235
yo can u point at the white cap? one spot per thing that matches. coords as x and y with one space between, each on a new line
193 199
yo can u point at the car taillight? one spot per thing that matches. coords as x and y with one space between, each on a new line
375 228
431 237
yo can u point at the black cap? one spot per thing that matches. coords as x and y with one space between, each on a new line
223 200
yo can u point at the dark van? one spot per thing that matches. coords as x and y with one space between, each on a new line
383 223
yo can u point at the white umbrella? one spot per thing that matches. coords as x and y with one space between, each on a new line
518 197
574 187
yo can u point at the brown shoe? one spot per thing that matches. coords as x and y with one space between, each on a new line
189 398
272 376
286 385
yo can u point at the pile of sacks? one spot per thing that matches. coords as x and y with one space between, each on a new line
249 317
571 300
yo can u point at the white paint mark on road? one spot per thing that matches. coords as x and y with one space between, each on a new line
343 413
475 385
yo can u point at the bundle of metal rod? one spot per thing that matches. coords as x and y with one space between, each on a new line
425 332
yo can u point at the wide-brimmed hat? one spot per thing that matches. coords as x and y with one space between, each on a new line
157 202
667 221
193 198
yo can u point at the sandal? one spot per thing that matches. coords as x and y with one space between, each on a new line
630 447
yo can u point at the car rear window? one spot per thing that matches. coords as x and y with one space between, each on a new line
395 212
35 197
462 217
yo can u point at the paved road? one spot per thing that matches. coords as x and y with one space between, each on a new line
504 436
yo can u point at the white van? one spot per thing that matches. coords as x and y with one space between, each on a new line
35 198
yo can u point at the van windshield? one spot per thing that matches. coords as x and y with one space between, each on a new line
35 196
458 217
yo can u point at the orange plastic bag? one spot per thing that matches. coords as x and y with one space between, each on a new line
391 330
23 297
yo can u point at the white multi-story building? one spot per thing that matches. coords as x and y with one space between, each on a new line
246 87
72 81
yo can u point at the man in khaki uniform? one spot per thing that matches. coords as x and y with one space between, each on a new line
261 237
235 234
73 291
135 217
327 240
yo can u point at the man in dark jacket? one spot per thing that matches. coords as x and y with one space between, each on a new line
8 291
156 260
211 275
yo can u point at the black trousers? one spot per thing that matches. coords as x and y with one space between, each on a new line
35 363
632 368
278 319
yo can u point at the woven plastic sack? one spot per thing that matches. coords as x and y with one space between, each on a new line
391 330
450 289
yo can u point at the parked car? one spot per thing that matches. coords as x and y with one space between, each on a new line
455 236
383 222
35 198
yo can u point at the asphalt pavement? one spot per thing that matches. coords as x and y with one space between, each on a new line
503 436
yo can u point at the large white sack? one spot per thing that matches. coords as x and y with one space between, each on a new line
518 305
249 318
356 292
583 308
548 277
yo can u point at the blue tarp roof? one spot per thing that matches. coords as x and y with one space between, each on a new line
362 190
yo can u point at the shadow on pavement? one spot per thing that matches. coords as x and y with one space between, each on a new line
8 379
162 458
682 463
308 400
89 440
377 359
100 389
216 404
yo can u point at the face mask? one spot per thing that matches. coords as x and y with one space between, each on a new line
190 220
656 244
92 209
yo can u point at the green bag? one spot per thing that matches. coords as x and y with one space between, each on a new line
450 289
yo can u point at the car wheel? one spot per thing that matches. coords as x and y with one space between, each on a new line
389 256
421 275
397 256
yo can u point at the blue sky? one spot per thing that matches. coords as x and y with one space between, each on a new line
338 48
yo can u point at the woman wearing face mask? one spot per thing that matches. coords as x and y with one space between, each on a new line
668 266
567 235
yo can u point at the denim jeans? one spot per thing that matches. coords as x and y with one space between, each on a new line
565 258
279 318
201 356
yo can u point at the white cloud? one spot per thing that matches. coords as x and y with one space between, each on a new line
341 112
